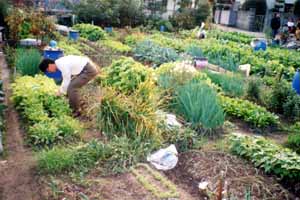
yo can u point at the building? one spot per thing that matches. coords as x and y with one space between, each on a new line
254 15
164 8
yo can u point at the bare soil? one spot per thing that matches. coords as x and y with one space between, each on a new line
196 167
17 178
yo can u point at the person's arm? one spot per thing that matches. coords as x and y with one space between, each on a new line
66 75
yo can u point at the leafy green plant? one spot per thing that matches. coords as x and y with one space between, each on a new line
232 84
248 111
264 154
27 61
90 32
133 39
148 51
194 51
48 116
168 42
116 46
232 36
198 104
125 75
69 48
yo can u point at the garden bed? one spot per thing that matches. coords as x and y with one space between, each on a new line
196 167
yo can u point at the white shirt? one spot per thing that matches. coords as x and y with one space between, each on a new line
290 24
70 66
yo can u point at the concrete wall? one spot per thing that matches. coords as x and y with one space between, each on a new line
244 20
217 17
225 17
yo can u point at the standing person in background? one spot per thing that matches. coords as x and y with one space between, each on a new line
291 26
275 24
298 30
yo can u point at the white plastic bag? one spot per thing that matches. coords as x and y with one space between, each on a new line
169 120
164 159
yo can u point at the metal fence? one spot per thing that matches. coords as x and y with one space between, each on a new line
259 23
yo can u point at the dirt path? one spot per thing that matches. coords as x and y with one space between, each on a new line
17 180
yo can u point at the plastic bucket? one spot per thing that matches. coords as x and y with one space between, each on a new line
258 44
73 35
53 54
57 76
108 29
200 63
296 82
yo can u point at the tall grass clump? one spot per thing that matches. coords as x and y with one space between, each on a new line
27 61
198 104
233 85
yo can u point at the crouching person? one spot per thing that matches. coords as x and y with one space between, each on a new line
76 71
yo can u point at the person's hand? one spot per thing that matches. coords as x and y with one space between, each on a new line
58 93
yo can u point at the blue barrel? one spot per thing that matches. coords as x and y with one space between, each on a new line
108 29
162 28
296 82
260 45
74 35
54 55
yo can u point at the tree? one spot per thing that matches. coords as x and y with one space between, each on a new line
109 12
131 12
187 17
102 12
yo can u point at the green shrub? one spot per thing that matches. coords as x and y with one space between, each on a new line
264 154
132 115
284 100
90 32
125 75
148 51
254 89
198 104
293 141
27 61
279 96
232 84
291 108
248 111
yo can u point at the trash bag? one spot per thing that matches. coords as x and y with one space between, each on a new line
164 159
169 120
